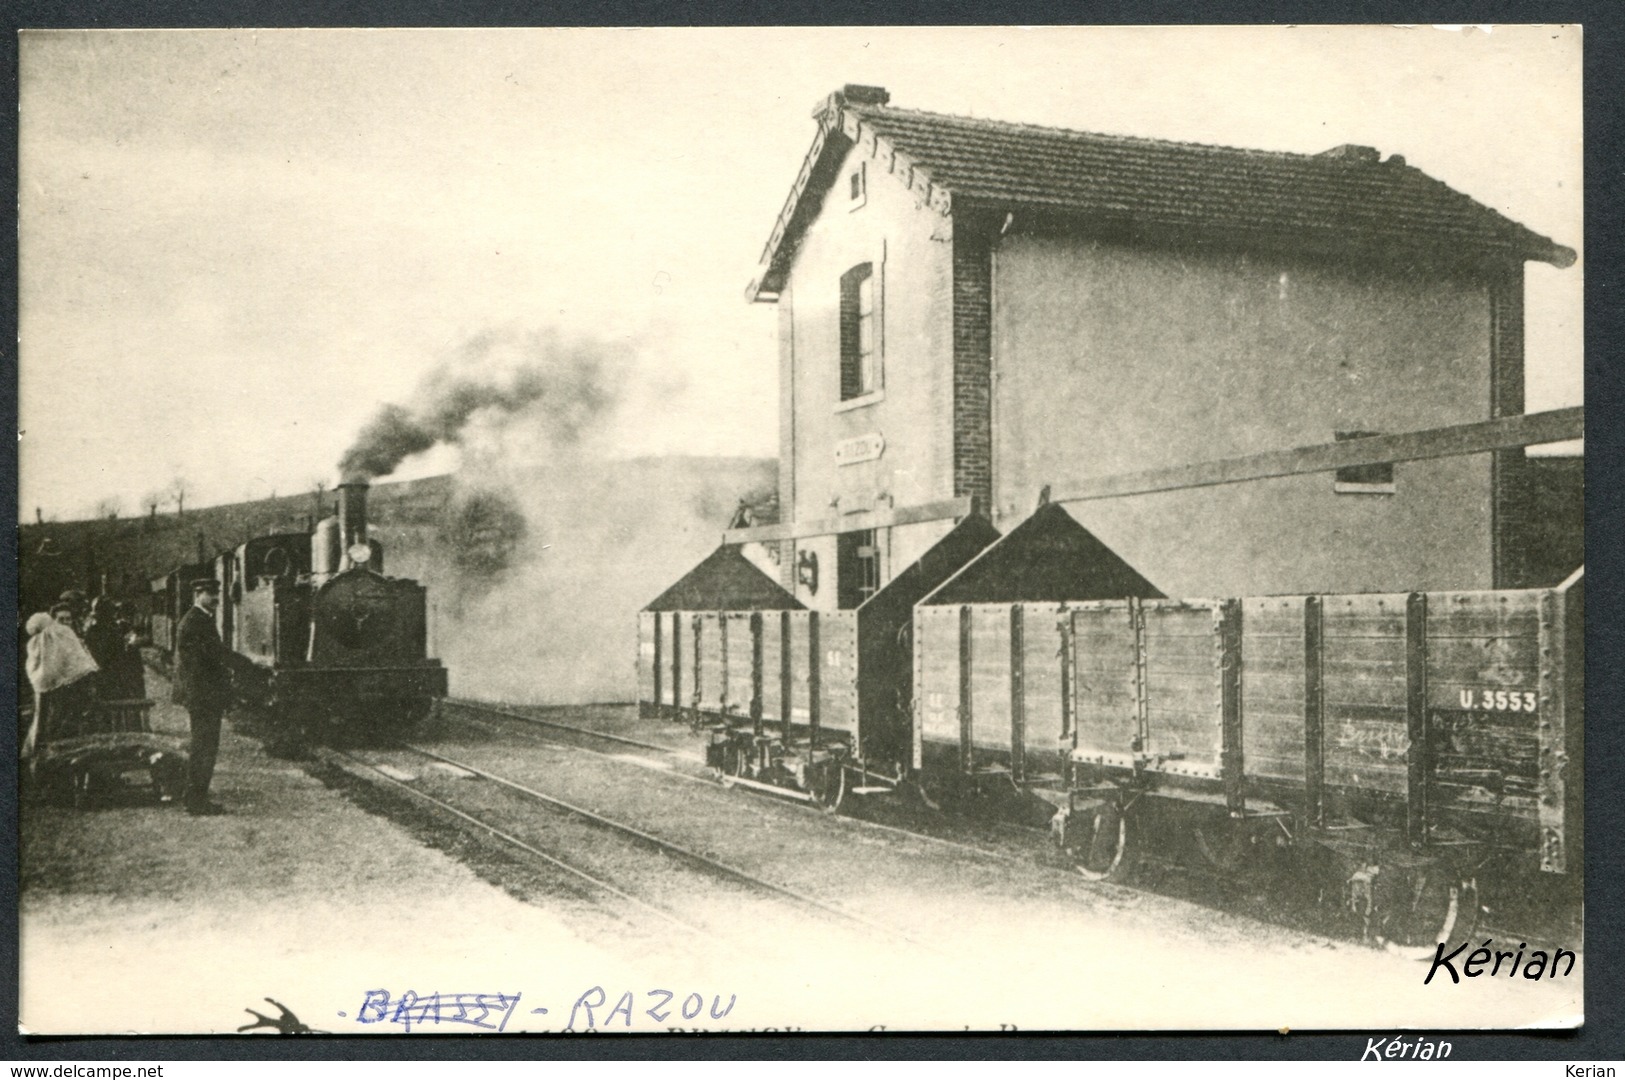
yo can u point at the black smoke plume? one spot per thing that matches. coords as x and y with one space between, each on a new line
565 386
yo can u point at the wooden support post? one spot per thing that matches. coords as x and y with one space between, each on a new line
1419 755
694 672
1314 712
1231 756
1068 665
676 662
1018 696
1553 732
966 757
756 672
815 680
916 710
659 658
786 680
722 679
1142 709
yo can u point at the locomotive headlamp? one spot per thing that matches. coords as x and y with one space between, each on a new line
360 554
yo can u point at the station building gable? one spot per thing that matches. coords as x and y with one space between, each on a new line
973 310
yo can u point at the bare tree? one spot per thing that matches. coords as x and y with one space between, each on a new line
109 507
177 492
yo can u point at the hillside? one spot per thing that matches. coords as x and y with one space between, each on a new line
534 576
130 552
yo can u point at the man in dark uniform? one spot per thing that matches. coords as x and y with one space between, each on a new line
203 685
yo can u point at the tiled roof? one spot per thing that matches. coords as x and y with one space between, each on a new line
1346 196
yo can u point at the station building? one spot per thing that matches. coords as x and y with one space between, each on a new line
972 310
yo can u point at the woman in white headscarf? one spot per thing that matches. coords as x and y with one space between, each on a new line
59 667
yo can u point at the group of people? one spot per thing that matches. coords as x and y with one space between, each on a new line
80 657
79 654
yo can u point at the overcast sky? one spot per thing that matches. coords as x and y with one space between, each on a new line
235 244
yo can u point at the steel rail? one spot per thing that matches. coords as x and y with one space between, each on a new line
705 862
481 706
622 759
513 840
781 795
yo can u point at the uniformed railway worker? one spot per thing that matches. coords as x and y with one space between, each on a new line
203 686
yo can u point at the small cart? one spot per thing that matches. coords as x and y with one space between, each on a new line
94 755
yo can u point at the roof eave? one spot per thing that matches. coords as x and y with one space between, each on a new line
1517 243
829 141
840 128
1555 254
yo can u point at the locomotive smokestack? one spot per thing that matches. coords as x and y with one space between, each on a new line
352 519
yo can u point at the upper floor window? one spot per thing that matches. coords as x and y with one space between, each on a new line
860 372
1376 479
858 186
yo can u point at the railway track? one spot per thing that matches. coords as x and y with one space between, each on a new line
540 838
542 722
705 775
1020 845
342 759
1168 875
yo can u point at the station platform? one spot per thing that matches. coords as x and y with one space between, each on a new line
138 918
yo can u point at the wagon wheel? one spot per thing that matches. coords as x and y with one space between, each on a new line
734 762
1426 907
82 782
826 782
1226 847
168 774
1102 841
937 789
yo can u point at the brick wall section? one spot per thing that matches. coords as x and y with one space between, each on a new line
1550 503
973 362
1508 489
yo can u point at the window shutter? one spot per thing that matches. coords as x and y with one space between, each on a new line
852 283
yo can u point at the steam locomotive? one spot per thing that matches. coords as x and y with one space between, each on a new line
325 642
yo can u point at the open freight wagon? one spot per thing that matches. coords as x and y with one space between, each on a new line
1407 751
813 702
989 682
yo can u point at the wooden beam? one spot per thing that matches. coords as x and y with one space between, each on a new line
867 519
1530 429
1506 433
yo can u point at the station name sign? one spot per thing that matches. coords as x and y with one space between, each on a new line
860 448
